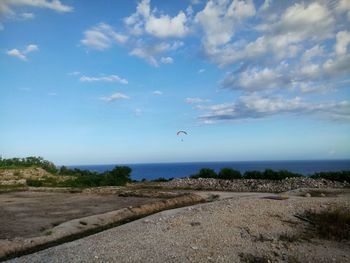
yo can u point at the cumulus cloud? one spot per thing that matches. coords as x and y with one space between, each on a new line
145 20
315 51
344 7
342 42
151 52
255 79
255 106
102 37
31 48
278 40
166 60
16 53
110 78
8 8
219 18
115 97
300 20
21 54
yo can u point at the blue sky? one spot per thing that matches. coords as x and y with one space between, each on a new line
97 82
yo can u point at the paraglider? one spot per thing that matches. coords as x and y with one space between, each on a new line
181 133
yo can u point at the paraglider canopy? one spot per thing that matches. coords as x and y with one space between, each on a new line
179 132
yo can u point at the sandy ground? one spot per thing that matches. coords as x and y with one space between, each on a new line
28 214
243 228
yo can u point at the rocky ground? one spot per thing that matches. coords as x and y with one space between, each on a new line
253 185
243 228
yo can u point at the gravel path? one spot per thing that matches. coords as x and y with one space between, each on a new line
232 230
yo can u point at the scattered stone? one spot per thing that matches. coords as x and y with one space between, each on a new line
254 185
195 223
307 195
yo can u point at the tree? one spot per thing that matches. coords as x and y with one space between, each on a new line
120 175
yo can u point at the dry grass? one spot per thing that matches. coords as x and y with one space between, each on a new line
331 224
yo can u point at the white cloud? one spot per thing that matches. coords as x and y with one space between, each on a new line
157 93
115 96
219 18
259 79
74 73
111 78
166 60
16 53
31 48
254 106
315 51
146 21
202 70
336 66
281 39
102 37
344 6
300 20
151 52
27 15
7 6
165 26
309 87
342 42
266 5
195 100
21 54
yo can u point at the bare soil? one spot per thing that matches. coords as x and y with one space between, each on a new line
248 227
29 214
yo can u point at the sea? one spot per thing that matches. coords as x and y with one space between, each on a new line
151 171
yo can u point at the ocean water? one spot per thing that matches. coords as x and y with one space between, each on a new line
176 170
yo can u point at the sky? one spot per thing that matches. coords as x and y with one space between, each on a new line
102 82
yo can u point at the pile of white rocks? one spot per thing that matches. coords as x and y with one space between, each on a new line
253 185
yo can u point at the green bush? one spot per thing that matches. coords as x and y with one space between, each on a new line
229 174
160 179
205 173
253 175
334 176
120 175
83 178
31 161
34 183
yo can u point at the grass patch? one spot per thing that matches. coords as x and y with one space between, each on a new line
333 224
290 237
